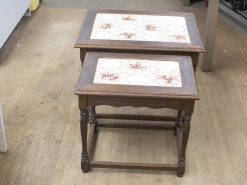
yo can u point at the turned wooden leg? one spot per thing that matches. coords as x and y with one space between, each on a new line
84 126
93 117
178 120
185 136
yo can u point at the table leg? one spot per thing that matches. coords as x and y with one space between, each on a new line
185 136
93 117
85 166
178 120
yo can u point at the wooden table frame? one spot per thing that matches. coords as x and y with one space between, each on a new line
192 49
181 128
91 95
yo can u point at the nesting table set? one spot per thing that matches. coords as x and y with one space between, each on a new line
137 59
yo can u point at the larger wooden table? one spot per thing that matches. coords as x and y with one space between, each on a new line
154 81
169 33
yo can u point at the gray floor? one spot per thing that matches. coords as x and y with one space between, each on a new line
39 69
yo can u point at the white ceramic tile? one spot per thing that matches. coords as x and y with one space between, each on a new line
138 72
140 28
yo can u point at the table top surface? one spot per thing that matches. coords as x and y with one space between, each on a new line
138 30
137 75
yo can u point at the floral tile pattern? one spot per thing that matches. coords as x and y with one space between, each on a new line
138 72
140 28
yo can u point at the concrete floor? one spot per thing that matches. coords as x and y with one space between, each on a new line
39 69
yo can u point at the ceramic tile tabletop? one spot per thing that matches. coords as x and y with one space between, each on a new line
138 72
140 28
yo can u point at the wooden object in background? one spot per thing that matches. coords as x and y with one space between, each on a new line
92 94
210 35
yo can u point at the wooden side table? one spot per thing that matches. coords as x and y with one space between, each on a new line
137 80
170 33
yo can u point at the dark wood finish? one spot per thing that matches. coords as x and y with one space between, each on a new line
135 166
193 55
86 86
193 49
93 117
137 126
178 134
90 139
136 117
184 138
83 40
178 120
181 99
84 126
85 44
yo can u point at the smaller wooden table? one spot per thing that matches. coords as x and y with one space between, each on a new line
154 81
